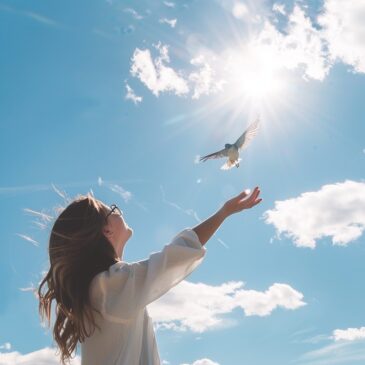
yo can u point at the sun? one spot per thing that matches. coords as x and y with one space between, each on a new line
253 72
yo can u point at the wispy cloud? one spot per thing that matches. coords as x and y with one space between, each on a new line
169 4
204 79
155 74
170 22
279 8
335 210
28 238
24 189
339 353
60 192
45 217
14 190
41 18
132 96
5 346
134 13
125 194
189 212
45 356
32 15
199 307
28 288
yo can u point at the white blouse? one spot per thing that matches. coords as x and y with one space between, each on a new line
122 293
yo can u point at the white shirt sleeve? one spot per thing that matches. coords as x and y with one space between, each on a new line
128 287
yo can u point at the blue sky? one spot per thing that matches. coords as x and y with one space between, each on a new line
121 97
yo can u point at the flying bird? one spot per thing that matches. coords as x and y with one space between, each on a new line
232 150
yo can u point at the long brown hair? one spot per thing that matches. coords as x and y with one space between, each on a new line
78 250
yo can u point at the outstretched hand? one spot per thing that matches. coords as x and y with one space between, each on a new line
242 201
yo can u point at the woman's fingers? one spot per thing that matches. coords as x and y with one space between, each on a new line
244 193
252 200
246 199
247 192
254 194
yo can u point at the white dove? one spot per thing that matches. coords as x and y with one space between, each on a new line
232 150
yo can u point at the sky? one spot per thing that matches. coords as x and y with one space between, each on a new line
121 98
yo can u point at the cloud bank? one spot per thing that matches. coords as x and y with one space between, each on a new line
335 211
310 46
198 307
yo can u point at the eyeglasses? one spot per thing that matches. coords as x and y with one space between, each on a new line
114 208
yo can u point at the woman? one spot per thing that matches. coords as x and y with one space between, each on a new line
100 299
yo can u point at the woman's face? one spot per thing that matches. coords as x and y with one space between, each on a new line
116 230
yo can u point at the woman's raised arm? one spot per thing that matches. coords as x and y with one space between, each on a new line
242 201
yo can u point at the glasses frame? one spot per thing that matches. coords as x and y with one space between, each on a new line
113 208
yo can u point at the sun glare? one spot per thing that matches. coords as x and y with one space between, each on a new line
254 74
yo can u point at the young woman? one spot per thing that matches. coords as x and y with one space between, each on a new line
100 299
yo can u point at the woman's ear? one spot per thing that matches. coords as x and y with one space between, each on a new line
107 232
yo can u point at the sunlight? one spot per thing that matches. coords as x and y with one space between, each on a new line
254 73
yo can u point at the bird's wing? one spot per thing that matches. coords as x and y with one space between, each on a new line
248 135
218 154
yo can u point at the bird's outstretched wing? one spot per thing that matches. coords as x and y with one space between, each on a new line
218 154
248 135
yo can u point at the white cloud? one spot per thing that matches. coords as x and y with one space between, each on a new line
239 10
169 4
155 74
46 218
126 195
46 356
34 16
343 27
59 192
204 79
300 47
131 95
133 13
263 303
5 346
189 212
199 307
349 334
308 46
336 210
339 37
41 18
170 22
279 8
28 238
203 362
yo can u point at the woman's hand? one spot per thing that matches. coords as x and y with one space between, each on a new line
242 201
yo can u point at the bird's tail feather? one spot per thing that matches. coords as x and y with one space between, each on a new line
229 164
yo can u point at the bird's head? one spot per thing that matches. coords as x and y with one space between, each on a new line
227 145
